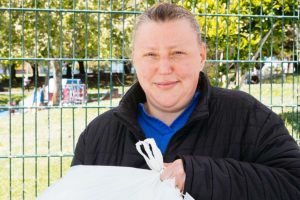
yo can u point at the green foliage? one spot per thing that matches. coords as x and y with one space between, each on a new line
3 78
233 30
4 99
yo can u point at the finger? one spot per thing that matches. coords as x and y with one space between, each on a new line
180 183
167 173
179 174
167 164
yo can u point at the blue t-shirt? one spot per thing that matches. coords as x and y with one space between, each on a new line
162 133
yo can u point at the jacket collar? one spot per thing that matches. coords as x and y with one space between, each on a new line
201 110
128 108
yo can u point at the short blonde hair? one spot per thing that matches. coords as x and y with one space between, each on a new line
163 12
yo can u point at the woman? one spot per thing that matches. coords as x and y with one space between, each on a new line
217 143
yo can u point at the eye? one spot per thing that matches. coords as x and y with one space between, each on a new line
178 53
150 54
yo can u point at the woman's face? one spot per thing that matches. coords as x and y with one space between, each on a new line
168 58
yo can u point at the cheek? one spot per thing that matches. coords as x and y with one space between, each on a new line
190 74
188 65
193 63
143 74
187 72
145 69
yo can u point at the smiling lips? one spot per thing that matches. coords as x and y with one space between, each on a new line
166 84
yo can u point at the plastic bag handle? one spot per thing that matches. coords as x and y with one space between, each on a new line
154 158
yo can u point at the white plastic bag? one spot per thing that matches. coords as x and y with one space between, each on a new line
109 182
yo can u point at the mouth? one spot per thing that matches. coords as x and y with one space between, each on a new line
166 84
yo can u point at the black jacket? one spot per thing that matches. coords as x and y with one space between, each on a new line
233 147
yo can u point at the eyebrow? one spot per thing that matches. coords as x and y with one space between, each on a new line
150 48
155 48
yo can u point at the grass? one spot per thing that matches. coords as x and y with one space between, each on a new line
288 78
273 94
282 99
45 132
52 134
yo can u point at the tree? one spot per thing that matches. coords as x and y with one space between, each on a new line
57 82
239 37
233 31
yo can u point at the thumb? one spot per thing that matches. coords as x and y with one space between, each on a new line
167 164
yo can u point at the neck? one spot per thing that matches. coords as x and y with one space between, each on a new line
167 117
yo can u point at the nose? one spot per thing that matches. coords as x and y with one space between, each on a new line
165 66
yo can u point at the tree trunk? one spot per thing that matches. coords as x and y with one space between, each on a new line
69 71
35 71
261 44
57 82
13 71
81 67
238 76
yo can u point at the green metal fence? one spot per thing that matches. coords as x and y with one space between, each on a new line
84 47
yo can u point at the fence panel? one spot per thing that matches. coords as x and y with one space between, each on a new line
62 63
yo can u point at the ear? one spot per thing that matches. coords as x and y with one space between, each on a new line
202 55
132 58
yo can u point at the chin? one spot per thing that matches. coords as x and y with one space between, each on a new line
168 106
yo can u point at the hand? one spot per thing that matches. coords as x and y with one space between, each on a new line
175 170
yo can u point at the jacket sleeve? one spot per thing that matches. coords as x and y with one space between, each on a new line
273 173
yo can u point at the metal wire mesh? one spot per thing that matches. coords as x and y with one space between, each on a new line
252 46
